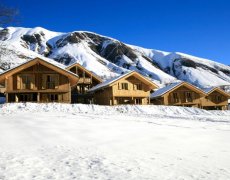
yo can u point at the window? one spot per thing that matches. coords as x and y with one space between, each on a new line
175 98
137 87
138 101
24 98
124 86
218 98
188 97
52 97
50 82
25 81
27 97
123 100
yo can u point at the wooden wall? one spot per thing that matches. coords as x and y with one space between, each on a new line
103 97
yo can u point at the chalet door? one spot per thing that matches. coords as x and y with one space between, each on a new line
31 97
138 101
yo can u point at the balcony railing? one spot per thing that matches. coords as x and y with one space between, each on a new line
84 80
26 86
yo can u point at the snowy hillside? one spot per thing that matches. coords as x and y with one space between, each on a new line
85 142
108 57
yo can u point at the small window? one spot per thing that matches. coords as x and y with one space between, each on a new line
175 98
26 98
53 97
50 82
138 101
218 98
26 82
137 87
188 97
124 86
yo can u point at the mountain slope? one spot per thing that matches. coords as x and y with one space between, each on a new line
108 57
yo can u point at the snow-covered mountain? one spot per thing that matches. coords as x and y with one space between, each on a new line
108 57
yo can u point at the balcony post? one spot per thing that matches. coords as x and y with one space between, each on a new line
38 97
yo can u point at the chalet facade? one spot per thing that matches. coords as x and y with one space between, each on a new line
87 80
215 99
38 80
178 94
129 88
42 80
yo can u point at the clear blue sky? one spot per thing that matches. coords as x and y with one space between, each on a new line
197 27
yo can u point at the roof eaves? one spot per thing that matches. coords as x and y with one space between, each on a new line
167 90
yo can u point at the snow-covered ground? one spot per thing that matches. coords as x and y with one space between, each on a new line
61 141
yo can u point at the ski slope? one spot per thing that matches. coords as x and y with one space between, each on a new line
60 141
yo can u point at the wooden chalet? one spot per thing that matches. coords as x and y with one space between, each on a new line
215 99
178 94
87 80
129 88
38 80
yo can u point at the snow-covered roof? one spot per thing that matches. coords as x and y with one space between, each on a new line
208 90
110 81
165 89
47 60
211 89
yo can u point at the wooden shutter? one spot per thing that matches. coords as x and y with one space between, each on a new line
18 82
56 81
134 86
185 97
60 98
193 95
119 86
172 97
44 81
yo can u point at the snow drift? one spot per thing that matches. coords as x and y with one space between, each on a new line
106 110
85 142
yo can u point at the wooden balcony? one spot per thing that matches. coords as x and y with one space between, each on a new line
84 81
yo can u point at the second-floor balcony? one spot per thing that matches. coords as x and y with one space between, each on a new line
181 100
84 80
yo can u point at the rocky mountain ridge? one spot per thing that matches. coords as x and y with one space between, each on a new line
108 57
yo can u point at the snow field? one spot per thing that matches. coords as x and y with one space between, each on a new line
61 141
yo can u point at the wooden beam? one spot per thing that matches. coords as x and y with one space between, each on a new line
16 97
6 86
